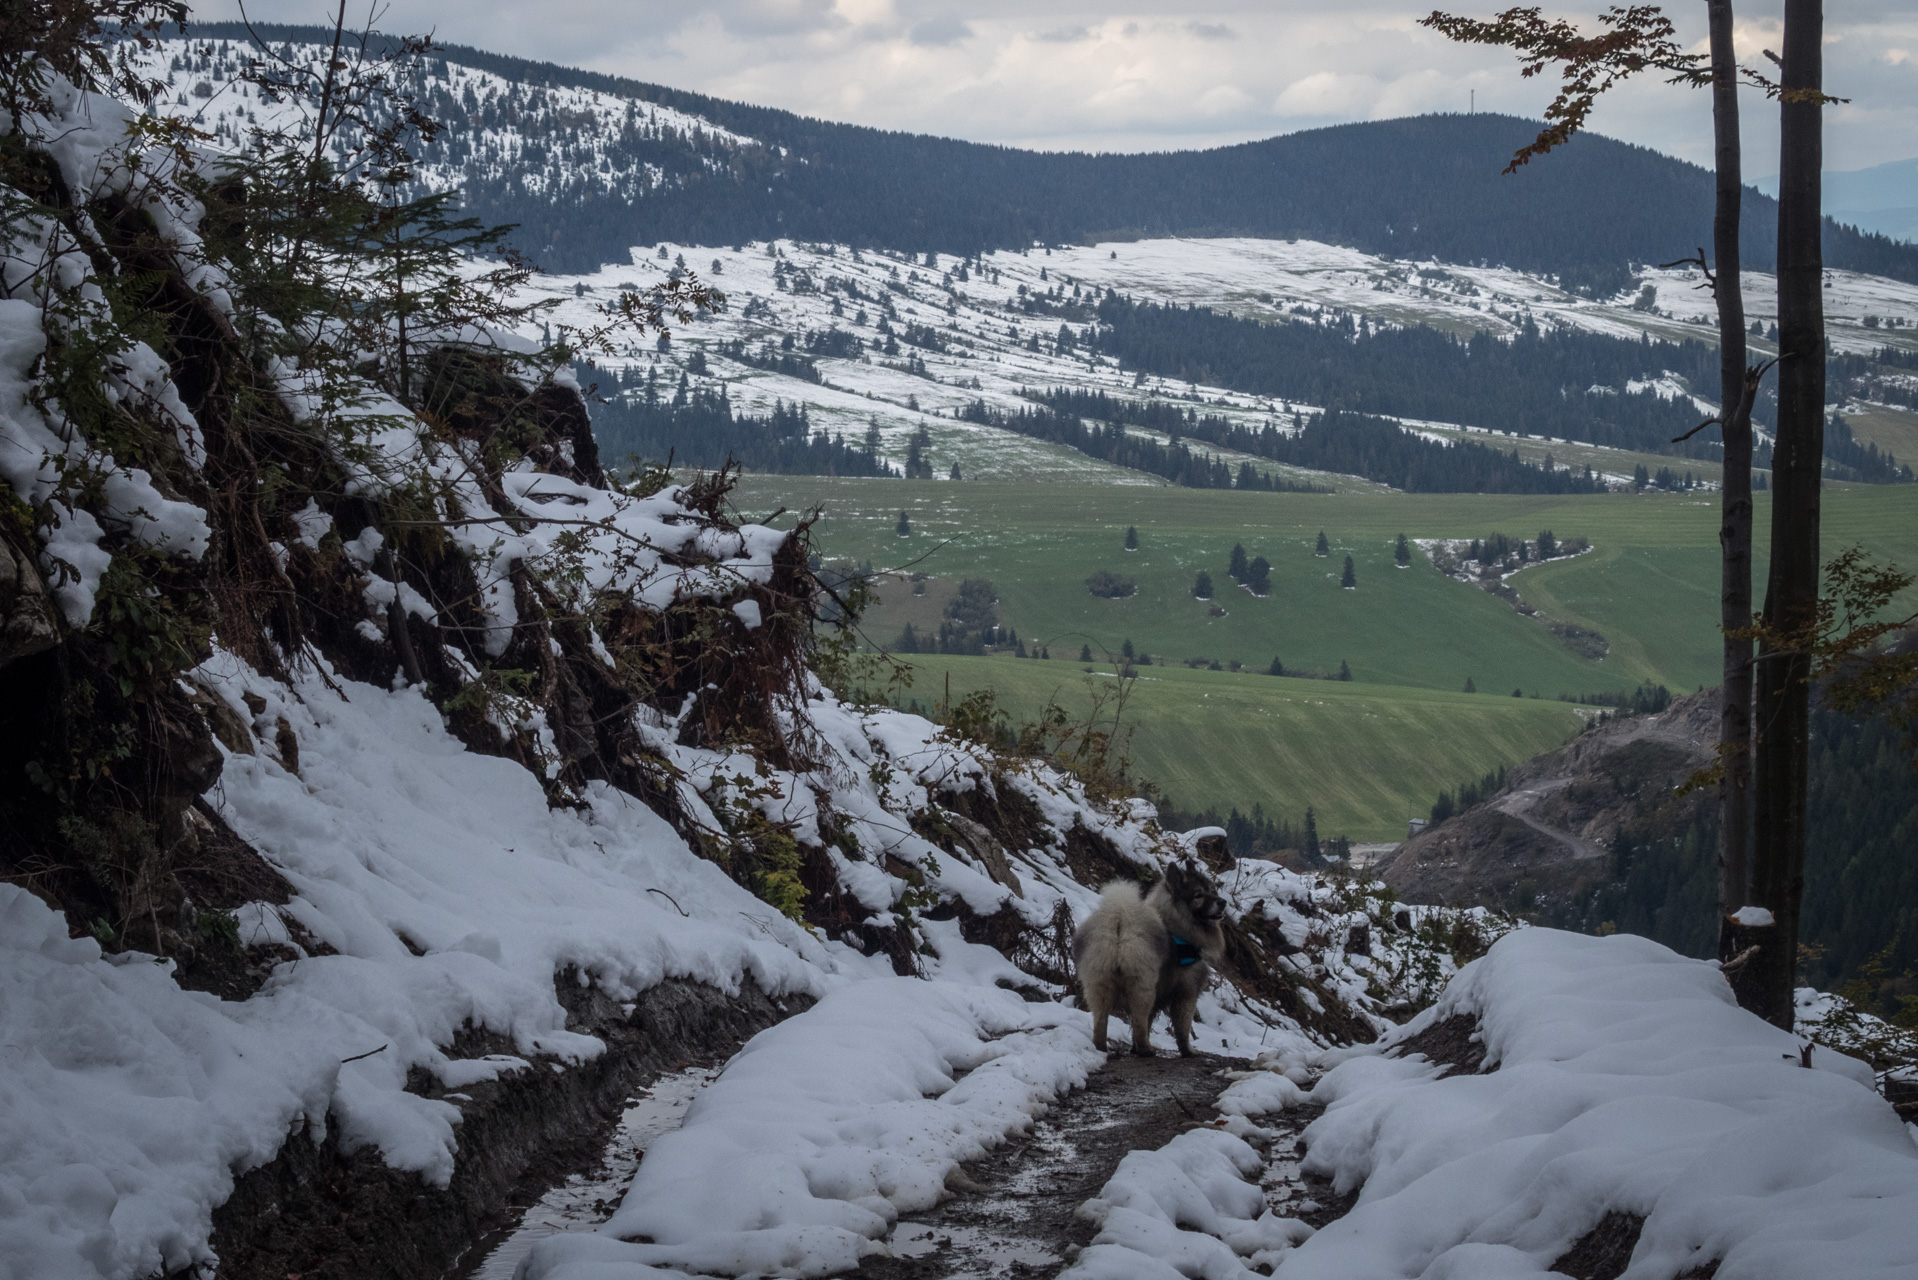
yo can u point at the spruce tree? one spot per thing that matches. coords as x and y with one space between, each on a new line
1131 538
1126 648
1311 846
1402 553
1258 577
1276 669
1349 580
1324 548
1202 586
1345 670
1085 653
904 527
1469 686
1237 566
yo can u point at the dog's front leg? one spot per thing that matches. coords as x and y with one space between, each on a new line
1183 1009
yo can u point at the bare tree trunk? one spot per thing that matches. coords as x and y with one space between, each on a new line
1735 528
1783 703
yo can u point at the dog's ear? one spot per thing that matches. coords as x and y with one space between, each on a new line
1175 878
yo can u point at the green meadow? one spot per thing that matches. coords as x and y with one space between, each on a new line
1365 757
1366 753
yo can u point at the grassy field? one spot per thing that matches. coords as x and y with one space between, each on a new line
1650 586
1365 757
1895 430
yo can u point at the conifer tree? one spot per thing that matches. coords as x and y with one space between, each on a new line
1469 686
1311 846
1202 586
1345 670
904 527
1402 553
1276 669
1085 653
1126 648
1324 548
1258 577
1131 538
1237 566
1349 579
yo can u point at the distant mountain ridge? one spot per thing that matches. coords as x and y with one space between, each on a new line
1417 187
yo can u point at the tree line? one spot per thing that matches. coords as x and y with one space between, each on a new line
698 427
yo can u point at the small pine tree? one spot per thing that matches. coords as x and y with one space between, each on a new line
1202 585
955 473
1276 669
904 527
1045 652
1258 577
1131 538
1349 579
1311 845
1345 670
1126 648
1402 552
1518 693
1237 567
1324 548
1547 545
1085 653
1469 686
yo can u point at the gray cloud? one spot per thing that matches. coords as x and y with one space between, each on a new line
939 32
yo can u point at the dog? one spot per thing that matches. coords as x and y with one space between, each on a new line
1151 951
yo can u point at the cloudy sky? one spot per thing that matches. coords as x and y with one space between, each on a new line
1150 74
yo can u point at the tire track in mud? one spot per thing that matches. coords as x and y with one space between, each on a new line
1014 1211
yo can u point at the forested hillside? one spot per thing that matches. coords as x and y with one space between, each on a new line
1423 187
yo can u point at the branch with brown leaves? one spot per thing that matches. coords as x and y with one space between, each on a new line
1639 39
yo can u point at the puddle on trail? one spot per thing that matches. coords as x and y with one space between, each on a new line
587 1199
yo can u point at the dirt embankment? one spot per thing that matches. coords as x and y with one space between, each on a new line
320 1214
1547 835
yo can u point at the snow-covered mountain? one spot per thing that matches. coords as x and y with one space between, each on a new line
986 327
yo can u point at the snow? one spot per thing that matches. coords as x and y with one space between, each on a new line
1188 1210
44 457
1626 1079
1753 917
826 1128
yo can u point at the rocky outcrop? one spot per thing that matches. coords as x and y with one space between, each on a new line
1546 836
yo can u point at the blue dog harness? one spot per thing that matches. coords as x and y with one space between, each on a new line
1185 952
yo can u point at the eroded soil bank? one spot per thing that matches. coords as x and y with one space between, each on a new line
319 1214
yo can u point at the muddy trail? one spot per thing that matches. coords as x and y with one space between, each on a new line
1014 1211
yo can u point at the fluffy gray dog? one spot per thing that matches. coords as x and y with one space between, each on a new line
1150 951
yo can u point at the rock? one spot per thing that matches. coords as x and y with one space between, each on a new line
984 846
26 615
1212 850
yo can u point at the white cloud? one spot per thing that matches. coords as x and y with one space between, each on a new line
1157 74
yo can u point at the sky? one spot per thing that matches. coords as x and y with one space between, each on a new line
1152 75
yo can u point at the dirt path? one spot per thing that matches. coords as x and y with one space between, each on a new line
1013 1213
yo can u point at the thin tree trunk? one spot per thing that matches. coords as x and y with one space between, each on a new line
1783 704
1735 528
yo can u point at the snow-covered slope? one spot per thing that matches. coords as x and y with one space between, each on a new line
495 734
